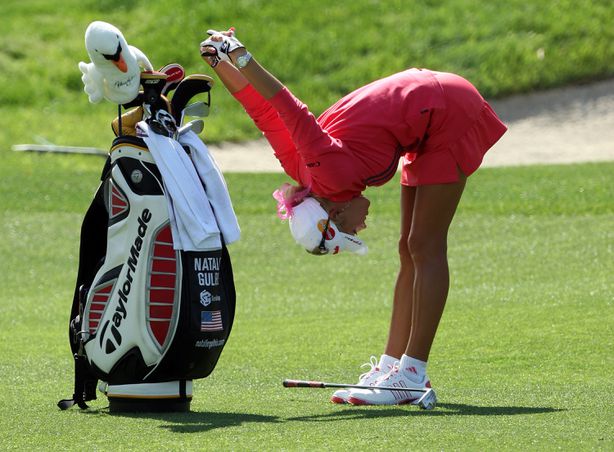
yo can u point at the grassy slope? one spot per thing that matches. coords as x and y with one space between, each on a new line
522 360
321 50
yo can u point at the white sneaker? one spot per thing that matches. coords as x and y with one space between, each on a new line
395 379
367 379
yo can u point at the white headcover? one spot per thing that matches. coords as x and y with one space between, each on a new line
116 79
307 224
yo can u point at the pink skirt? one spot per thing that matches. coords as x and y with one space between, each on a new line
459 136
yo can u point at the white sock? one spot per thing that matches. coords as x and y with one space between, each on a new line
386 362
413 368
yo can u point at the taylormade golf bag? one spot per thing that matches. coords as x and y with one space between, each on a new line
146 318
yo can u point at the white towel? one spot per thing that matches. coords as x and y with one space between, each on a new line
193 222
215 186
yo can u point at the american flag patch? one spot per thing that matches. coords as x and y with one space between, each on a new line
211 321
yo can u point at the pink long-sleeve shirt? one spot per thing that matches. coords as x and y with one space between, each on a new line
356 142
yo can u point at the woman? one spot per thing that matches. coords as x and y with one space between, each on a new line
437 122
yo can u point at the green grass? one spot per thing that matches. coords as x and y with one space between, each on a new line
321 50
523 356
522 360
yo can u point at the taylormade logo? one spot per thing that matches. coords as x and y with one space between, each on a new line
120 311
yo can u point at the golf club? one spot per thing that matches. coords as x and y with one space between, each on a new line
195 126
426 402
197 109
59 149
188 88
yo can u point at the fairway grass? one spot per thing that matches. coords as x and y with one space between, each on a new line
320 50
522 361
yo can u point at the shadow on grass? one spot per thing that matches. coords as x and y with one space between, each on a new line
202 421
443 409
472 410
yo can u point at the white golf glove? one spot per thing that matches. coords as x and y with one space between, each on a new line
219 49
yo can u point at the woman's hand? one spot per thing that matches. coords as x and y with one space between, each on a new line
224 46
219 46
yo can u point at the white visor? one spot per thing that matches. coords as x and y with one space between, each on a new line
307 224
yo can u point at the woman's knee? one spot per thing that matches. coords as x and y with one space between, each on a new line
404 253
426 246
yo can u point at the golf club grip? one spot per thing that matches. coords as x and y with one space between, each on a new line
303 384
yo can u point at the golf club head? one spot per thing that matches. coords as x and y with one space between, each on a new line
163 123
197 109
198 127
428 400
195 126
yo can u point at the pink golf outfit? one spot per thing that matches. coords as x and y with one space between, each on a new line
436 122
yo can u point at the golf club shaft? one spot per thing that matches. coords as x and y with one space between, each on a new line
321 384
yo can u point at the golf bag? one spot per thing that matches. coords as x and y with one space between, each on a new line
146 319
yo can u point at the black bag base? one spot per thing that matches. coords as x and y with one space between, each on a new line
170 396
123 405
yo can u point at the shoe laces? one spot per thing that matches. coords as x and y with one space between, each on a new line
394 370
372 364
395 373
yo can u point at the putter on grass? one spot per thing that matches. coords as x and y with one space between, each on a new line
426 402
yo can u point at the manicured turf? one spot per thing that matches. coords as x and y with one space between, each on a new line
522 360
321 50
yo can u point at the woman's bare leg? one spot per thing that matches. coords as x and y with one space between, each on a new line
434 208
400 322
